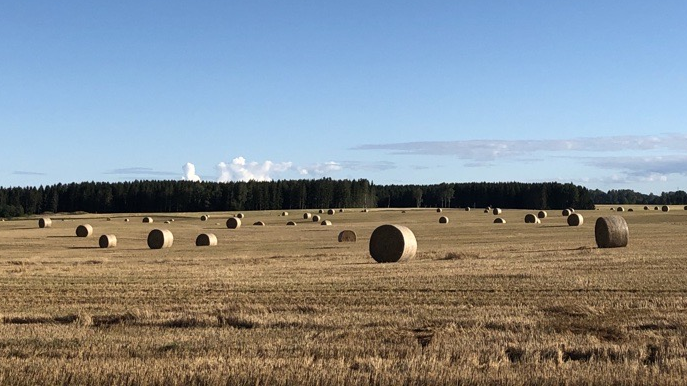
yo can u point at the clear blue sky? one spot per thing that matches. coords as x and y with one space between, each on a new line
588 92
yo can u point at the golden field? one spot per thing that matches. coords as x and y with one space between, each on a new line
481 303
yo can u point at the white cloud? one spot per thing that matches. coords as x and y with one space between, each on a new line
241 170
190 172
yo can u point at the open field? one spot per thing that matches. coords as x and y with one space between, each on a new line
485 303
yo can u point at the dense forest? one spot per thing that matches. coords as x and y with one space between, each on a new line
186 196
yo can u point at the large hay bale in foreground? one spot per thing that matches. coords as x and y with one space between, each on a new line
499 220
206 240
326 223
611 232
234 223
147 219
392 243
542 214
443 220
331 212
665 208
107 241
575 220
84 230
204 217
497 211
160 238
566 212
291 223
316 218
259 224
348 236
531 219
44 222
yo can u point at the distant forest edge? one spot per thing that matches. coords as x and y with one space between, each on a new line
186 196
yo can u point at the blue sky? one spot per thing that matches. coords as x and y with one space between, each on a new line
588 92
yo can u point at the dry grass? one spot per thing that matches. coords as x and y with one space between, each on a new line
480 304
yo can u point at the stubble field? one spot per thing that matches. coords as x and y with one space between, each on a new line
481 303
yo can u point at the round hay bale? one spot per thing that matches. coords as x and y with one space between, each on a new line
497 211
611 232
620 209
439 210
126 220
307 216
291 223
259 224
655 208
234 223
147 219
284 214
630 210
499 220
486 210
531 219
647 208
107 241
240 215
612 208
160 238
566 212
204 217
467 209
575 220
206 240
84 230
341 210
109 219
542 214
167 222
392 243
665 208
316 218
443 220
365 210
44 222
172 220
326 223
331 212
348 236
572 210
321 211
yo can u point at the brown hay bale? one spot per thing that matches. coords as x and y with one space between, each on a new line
326 223
240 215
620 209
284 214
291 223
655 208
331 212
126 220
531 219
259 224
443 220
107 241
566 212
204 217
542 214
575 220
44 222
439 210
307 216
612 208
630 210
84 230
147 219
316 218
467 209
499 220
321 211
365 210
234 223
392 243
348 236
647 208
341 210
206 240
496 211
665 208
611 232
160 238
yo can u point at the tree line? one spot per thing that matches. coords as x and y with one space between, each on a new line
186 196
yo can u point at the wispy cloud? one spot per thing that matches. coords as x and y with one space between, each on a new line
136 171
643 169
25 173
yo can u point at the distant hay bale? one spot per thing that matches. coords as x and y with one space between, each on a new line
321 211
259 224
467 209
167 222
685 208
284 214
171 219
499 220
620 209
531 219
316 218
439 210
655 208
392 243
630 210
443 220
326 223
647 208
206 240
240 215
291 223
44 222
107 241
486 210
612 208
147 219
665 208
496 211
611 232
109 219
331 212
204 217
126 220
160 238
307 216
365 210
542 214
566 212
84 230
348 236
341 210
575 219
233 223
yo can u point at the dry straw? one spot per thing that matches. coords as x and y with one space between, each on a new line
392 243
531 219
497 211
443 220
665 208
147 219
331 212
160 238
348 236
499 220
44 222
233 223
291 223
611 232
107 241
259 224
326 223
206 240
575 219
542 214
307 216
84 230
316 218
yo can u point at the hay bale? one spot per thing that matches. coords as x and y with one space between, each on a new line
168 222
392 243
341 210
147 219
172 220
647 208
486 210
467 209
316 218
107 241
499 220
439 210
348 236
160 238
665 208
496 211
44 222
204 217
240 215
206 240
307 216
126 220
321 211
331 212
613 209
443 220
542 214
566 212
620 209
259 224
630 210
611 232
109 219
531 219
291 223
84 230
575 220
234 223
284 214
365 210
326 223
655 208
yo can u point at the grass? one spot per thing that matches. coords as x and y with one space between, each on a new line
482 303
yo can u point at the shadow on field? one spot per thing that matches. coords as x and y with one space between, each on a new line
61 237
83 248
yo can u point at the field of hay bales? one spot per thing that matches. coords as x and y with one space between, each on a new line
481 303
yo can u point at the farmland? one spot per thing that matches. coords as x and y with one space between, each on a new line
513 303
